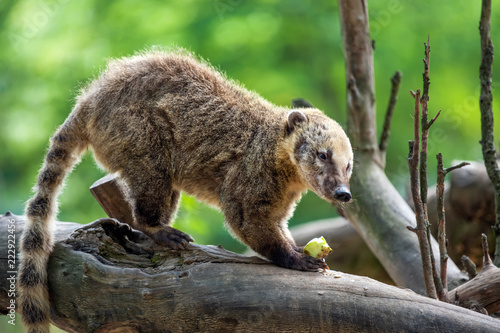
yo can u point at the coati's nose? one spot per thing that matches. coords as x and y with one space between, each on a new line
342 193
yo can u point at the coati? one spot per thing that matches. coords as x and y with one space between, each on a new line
166 122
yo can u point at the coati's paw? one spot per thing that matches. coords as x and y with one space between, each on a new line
172 238
300 262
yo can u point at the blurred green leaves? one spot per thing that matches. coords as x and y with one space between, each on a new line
281 49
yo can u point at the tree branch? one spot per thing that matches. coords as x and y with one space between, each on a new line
379 213
486 107
358 53
384 137
443 253
107 278
481 293
442 288
434 119
423 168
419 203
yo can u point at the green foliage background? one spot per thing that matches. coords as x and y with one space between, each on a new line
281 49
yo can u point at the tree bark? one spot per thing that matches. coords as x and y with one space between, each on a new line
105 277
481 293
378 213
486 107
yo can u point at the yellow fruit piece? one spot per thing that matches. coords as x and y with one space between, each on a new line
317 248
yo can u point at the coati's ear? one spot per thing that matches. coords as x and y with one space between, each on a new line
296 117
301 103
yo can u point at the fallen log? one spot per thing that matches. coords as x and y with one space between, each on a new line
106 277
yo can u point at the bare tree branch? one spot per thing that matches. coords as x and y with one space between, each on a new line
423 169
434 119
420 211
442 288
384 137
481 293
358 53
443 254
107 278
425 131
378 212
486 106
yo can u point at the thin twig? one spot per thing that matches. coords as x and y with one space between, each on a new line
423 168
426 238
425 129
438 284
458 166
384 138
434 119
442 240
421 230
425 74
486 107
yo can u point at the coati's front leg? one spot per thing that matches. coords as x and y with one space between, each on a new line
288 235
155 203
256 228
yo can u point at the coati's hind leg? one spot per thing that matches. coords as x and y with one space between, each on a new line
154 205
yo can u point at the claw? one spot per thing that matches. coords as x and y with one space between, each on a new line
301 262
172 238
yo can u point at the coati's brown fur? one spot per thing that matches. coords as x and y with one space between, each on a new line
166 122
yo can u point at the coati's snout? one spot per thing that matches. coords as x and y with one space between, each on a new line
331 187
323 154
342 193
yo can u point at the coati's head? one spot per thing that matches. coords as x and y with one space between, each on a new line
322 152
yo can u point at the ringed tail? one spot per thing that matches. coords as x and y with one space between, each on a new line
66 147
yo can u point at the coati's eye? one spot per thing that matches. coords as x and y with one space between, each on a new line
348 167
322 156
